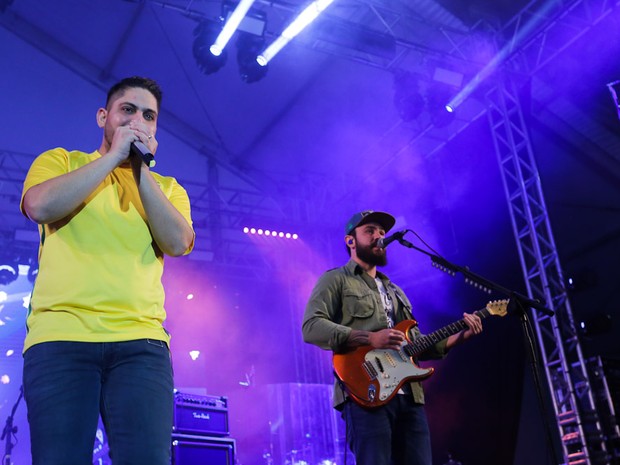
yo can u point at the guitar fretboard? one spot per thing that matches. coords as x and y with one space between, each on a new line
421 344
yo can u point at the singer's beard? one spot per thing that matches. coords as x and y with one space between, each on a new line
368 255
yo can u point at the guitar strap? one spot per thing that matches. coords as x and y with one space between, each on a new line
404 303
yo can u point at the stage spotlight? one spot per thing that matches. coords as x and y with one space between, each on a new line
9 271
437 99
248 48
309 14
205 35
442 118
408 99
233 21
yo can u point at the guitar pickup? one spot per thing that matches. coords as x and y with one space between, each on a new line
379 364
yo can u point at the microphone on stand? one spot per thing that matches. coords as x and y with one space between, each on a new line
138 149
383 242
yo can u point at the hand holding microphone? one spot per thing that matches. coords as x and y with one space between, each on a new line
138 149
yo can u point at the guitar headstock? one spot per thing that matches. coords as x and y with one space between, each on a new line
498 307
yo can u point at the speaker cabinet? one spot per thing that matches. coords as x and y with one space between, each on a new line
202 450
200 415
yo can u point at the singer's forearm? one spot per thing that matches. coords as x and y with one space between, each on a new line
58 197
169 228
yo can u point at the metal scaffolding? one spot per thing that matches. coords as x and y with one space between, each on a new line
583 410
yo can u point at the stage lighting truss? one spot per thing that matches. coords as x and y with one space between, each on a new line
614 88
270 233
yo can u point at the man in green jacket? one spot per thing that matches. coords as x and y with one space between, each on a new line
354 306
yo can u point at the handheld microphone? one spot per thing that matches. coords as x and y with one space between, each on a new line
138 149
383 242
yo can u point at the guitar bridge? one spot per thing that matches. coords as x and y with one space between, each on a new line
370 370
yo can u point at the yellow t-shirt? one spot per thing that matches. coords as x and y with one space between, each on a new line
99 268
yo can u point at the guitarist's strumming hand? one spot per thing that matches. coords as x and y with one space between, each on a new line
384 339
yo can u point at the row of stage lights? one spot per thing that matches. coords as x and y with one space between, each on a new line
211 38
270 233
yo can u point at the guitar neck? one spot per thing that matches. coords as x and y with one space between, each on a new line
422 343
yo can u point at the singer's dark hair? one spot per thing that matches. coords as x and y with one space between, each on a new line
132 82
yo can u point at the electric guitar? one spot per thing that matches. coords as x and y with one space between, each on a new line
372 377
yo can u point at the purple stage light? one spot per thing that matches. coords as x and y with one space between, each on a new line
270 233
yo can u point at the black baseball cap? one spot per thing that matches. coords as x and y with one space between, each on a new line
368 216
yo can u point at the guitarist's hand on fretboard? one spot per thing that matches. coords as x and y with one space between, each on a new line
474 326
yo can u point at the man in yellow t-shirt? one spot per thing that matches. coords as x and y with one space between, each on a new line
95 342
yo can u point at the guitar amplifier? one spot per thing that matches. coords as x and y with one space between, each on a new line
200 415
200 450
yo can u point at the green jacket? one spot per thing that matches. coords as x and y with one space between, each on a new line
347 298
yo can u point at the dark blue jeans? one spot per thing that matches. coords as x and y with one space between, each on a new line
68 384
395 434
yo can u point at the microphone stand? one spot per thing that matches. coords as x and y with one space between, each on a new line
478 281
9 430
518 303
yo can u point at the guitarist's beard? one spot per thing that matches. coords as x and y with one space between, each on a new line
368 255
